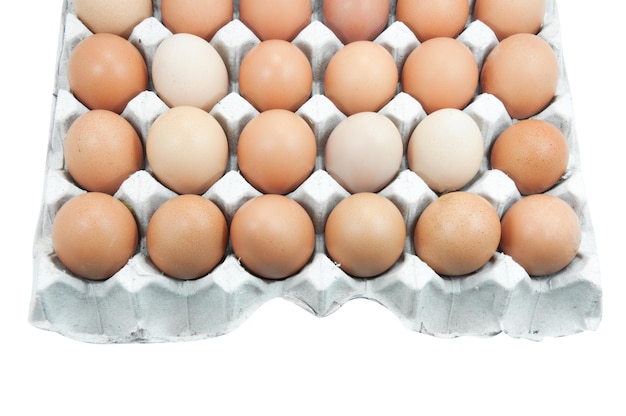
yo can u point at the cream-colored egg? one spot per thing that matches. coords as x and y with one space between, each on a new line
446 150
187 150
188 71
364 152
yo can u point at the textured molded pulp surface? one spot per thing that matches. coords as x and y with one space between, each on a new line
139 304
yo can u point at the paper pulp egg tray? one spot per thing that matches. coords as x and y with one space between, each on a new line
140 304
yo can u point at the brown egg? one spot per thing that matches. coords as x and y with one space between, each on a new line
542 233
275 74
187 150
276 151
94 235
509 17
361 76
202 18
433 18
354 20
272 236
106 71
441 73
534 153
187 237
101 150
365 234
112 16
457 234
275 19
521 71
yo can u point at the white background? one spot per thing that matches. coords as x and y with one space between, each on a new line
284 360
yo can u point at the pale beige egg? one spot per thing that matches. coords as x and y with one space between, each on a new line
187 150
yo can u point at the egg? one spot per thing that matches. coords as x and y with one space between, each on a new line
276 151
533 153
106 71
429 19
118 17
187 237
363 152
202 18
275 19
441 73
446 150
272 236
365 234
188 71
361 76
521 71
94 235
541 233
457 234
275 74
507 18
354 20
101 150
187 150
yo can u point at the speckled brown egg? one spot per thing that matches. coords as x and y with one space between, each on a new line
365 234
94 235
187 237
533 153
542 233
106 71
521 71
101 150
457 234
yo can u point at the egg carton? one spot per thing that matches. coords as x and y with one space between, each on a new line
140 304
